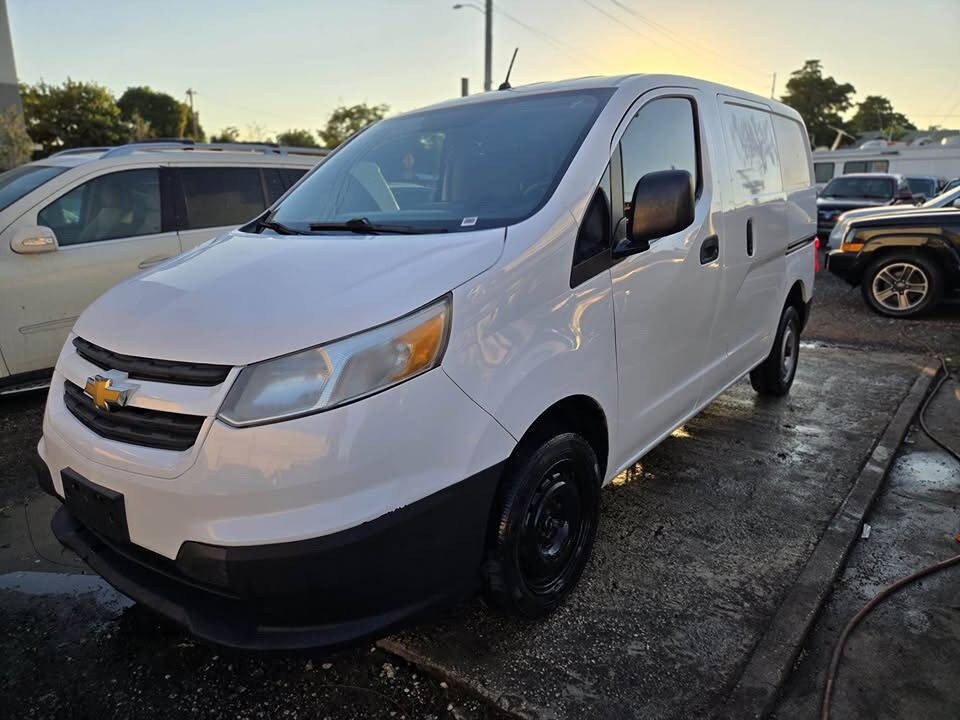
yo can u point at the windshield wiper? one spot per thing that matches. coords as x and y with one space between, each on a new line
277 227
363 225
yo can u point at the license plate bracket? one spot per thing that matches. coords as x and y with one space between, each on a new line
99 508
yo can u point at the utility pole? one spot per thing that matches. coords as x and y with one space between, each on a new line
488 48
773 87
193 115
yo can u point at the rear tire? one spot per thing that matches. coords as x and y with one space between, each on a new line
900 285
775 375
543 525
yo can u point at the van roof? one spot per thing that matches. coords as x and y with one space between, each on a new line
636 81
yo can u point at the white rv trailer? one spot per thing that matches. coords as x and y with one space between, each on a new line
937 160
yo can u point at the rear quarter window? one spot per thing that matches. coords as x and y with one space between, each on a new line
752 149
794 160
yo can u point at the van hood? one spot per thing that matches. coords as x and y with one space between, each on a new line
247 297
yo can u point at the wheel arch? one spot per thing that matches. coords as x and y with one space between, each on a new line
574 413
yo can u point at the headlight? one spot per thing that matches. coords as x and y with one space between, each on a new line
330 375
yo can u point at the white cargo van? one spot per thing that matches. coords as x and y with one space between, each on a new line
410 378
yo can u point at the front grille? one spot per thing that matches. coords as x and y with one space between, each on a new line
168 371
138 426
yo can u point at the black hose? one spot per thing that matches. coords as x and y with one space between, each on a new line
902 582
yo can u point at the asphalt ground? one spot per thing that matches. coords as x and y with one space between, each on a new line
74 648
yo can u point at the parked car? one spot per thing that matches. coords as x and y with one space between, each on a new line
951 184
77 222
859 190
904 263
946 199
924 187
358 407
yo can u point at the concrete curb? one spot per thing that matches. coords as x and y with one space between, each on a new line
772 659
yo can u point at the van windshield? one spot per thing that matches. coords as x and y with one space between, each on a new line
879 188
477 165
16 183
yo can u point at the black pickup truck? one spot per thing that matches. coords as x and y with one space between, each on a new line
858 190
904 262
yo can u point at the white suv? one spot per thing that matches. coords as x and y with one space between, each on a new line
76 223
411 377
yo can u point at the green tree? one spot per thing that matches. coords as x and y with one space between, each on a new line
75 114
15 145
346 120
297 138
229 134
167 116
819 100
876 113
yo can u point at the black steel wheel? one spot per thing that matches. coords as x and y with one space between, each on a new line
543 526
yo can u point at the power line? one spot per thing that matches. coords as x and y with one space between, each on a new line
559 44
697 48
620 22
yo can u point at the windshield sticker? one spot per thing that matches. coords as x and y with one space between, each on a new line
468 222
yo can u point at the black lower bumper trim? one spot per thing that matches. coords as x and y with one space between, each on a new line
324 592
844 265
43 474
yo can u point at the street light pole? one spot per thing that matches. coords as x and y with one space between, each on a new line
487 39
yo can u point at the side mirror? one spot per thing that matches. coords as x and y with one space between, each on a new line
33 239
905 196
662 205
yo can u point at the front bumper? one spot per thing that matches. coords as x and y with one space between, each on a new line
323 592
845 265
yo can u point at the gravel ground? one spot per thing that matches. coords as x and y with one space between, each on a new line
840 316
66 656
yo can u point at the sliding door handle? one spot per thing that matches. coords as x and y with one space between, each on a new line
709 250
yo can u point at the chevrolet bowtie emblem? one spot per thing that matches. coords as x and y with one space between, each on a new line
109 390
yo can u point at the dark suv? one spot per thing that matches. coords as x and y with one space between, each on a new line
904 262
858 190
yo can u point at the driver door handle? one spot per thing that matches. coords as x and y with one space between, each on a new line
709 250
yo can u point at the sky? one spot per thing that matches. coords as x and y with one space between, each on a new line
266 67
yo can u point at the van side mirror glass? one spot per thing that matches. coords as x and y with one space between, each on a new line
33 239
663 204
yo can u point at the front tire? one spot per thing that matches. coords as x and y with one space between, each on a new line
543 526
775 375
900 285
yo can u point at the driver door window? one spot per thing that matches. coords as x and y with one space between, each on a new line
119 205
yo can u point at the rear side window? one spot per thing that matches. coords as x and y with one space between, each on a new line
291 175
16 183
221 196
274 184
662 136
823 171
119 205
865 166
752 150
794 161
